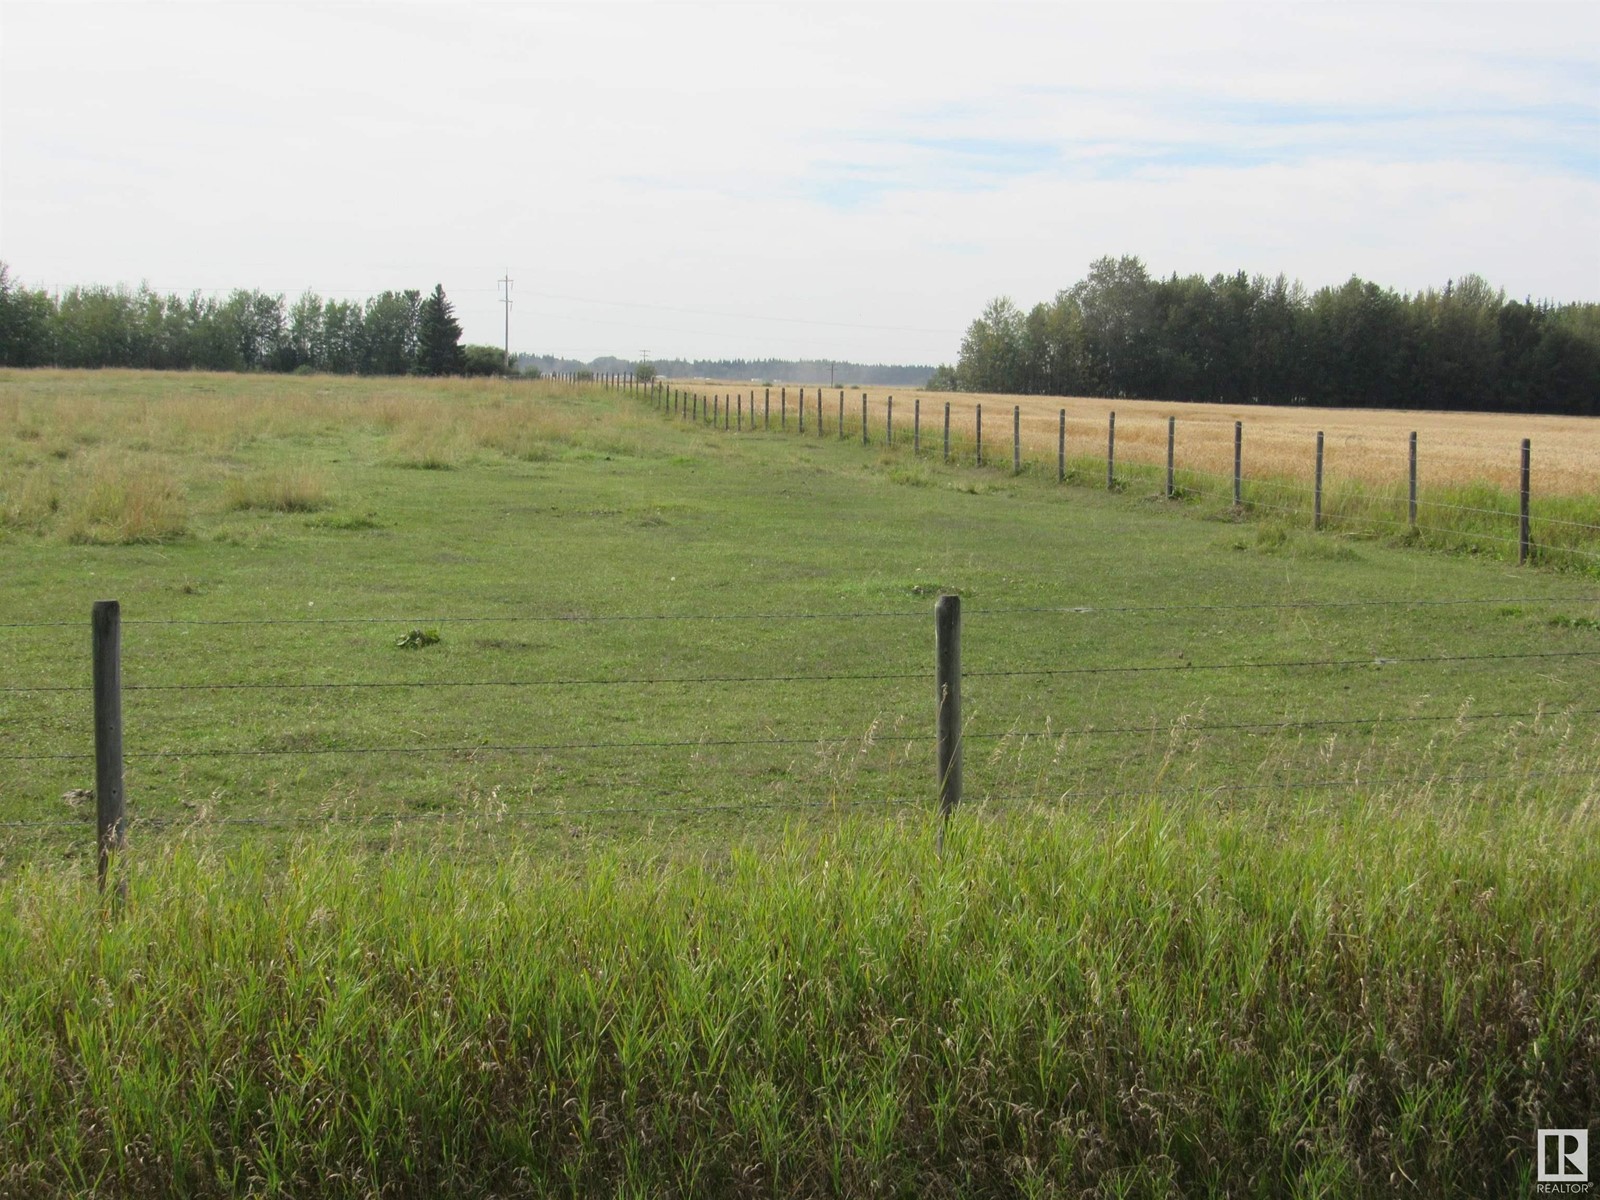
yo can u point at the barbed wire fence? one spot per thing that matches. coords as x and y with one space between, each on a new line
927 736
1519 533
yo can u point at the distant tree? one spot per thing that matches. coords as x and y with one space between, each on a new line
1117 301
25 319
439 350
991 351
943 379
484 360
644 373
390 330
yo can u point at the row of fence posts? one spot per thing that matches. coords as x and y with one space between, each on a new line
111 807
673 400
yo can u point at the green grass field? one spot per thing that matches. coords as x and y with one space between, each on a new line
1277 871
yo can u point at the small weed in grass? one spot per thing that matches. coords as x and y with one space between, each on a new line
1562 621
417 639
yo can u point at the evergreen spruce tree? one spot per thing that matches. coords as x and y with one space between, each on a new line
439 349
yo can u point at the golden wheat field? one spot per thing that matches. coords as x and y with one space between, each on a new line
1369 445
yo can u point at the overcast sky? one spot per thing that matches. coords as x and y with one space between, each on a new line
799 179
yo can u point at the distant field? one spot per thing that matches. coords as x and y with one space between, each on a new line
1469 465
1276 871
1371 445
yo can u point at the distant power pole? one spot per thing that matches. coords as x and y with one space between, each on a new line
506 300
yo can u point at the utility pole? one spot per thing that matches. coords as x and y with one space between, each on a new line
506 300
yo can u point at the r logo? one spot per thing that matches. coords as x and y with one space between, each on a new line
1563 1156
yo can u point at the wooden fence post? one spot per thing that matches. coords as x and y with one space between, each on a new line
1238 464
1061 447
1316 497
1524 541
980 435
947 685
766 408
803 407
1411 506
1111 453
888 423
947 431
916 425
863 418
1016 439
1172 441
841 413
111 819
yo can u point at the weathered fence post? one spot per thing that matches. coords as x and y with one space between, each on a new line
980 435
1316 498
783 410
1238 463
863 418
947 684
888 422
1016 439
1172 442
111 821
738 420
1111 453
841 413
1411 506
819 412
803 408
1524 542
916 425
1061 447
766 408
947 431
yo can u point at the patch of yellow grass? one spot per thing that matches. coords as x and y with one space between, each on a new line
118 500
295 489
1367 445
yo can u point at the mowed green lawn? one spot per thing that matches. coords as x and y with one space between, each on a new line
1277 872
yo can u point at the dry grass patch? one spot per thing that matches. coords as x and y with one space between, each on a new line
114 499
291 490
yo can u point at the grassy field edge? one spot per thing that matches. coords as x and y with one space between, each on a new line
1312 1000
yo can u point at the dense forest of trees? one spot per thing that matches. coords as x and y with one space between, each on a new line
396 333
1248 339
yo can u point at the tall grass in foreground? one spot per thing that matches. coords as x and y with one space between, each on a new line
1301 999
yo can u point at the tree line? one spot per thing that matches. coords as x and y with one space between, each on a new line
1242 339
394 333
777 370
